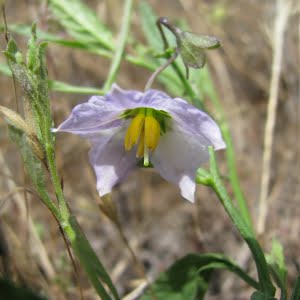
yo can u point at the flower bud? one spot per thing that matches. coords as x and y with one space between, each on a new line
191 47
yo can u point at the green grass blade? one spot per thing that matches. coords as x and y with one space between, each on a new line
81 23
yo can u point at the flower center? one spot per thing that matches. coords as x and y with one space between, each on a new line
143 131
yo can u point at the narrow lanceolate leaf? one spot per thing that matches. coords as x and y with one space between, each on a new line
148 20
32 164
31 48
59 86
277 265
14 119
26 30
4 69
63 87
188 277
17 66
81 23
98 275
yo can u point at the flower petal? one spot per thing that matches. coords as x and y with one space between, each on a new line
191 119
134 99
124 99
92 116
110 161
177 157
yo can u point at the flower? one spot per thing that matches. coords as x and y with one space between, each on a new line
127 127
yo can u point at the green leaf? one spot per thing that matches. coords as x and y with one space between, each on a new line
81 23
59 86
89 260
148 20
265 283
9 291
26 30
4 69
31 48
11 48
188 277
277 265
218 261
296 290
261 296
181 281
31 162
203 177
18 69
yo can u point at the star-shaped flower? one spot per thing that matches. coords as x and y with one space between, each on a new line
127 127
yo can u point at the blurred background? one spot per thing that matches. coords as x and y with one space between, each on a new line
159 224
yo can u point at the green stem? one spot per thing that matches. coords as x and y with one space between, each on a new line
184 81
245 230
160 69
47 201
63 87
186 84
79 242
50 156
121 46
230 155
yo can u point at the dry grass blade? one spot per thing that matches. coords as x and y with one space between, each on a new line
37 246
283 10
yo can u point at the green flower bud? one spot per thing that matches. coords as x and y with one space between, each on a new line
191 47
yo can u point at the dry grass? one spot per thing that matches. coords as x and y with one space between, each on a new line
159 225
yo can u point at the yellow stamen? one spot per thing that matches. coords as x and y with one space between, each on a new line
152 132
141 146
134 131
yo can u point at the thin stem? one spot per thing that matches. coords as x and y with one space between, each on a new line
121 46
184 81
161 31
160 69
165 22
247 233
230 154
49 150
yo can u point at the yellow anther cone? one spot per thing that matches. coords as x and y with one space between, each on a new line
134 131
141 146
152 133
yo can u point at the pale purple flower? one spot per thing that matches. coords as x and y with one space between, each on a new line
179 149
